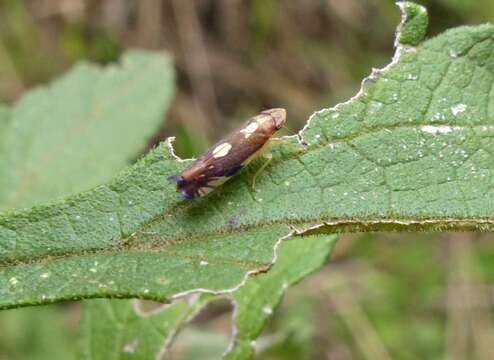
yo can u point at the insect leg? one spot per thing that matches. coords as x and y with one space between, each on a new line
293 146
268 158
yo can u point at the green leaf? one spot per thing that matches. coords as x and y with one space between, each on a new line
129 133
255 302
140 337
82 129
257 299
413 27
195 342
38 335
120 329
412 151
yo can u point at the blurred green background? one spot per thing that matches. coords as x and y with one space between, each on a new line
383 296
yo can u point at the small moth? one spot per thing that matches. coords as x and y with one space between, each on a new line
228 156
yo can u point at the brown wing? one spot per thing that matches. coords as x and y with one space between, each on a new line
227 157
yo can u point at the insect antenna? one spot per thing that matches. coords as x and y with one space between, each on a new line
289 130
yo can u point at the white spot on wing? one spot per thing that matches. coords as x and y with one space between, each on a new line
221 150
250 129
261 119
218 181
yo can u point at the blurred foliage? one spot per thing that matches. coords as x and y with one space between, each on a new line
397 296
393 296
38 335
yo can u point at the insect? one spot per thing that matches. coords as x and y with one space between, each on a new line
228 156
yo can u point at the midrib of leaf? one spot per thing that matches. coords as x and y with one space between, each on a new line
348 178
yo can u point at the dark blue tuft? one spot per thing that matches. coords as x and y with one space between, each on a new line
179 179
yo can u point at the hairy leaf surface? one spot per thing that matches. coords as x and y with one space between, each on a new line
260 296
77 132
121 329
412 151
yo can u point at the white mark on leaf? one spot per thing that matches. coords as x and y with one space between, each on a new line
130 347
458 109
441 129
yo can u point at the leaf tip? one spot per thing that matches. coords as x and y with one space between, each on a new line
413 25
